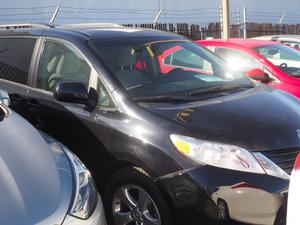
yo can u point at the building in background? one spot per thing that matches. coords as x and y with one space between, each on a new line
199 12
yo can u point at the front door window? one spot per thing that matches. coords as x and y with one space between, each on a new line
60 62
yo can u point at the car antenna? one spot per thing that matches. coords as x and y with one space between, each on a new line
51 23
157 17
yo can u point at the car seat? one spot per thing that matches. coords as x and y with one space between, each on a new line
69 68
126 73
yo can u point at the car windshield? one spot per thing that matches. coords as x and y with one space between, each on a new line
166 68
237 60
287 59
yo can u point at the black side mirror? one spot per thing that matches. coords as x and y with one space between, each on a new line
75 92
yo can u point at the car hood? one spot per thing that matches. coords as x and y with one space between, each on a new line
35 181
258 119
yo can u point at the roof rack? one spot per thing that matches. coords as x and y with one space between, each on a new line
24 26
90 25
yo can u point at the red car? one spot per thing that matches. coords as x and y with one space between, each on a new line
176 58
269 62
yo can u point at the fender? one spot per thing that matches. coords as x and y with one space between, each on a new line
148 158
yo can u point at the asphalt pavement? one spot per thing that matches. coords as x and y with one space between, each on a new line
191 219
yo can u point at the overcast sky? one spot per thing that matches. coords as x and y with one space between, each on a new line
144 11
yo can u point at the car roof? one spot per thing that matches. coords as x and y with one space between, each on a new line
279 36
87 30
246 43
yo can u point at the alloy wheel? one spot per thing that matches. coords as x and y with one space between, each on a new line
223 212
132 205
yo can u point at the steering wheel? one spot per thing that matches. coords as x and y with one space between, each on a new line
283 65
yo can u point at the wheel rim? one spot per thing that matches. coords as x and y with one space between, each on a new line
222 211
132 205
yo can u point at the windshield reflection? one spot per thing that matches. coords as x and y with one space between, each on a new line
165 68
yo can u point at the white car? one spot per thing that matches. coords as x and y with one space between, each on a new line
294 195
291 40
243 202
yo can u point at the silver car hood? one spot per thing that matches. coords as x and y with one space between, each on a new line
35 181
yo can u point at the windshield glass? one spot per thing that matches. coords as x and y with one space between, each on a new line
168 68
238 60
285 58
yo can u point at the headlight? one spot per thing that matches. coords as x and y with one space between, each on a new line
225 156
85 194
270 167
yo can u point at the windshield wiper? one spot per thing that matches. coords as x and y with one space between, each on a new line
189 98
216 89
163 98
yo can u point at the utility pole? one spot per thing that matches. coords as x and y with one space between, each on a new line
226 19
238 22
238 17
221 20
245 23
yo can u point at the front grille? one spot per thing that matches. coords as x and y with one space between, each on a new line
285 158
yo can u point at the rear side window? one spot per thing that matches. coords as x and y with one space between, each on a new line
15 58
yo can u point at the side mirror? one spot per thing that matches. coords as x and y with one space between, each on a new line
259 75
4 98
75 92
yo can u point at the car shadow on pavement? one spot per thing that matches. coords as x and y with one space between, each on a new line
192 219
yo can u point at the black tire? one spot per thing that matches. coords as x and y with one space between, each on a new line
130 176
223 212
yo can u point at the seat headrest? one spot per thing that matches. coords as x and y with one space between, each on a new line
68 64
127 57
52 65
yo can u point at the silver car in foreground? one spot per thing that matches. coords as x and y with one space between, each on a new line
41 181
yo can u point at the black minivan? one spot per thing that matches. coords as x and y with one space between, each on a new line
163 124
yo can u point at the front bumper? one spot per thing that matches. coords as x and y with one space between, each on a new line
250 198
97 218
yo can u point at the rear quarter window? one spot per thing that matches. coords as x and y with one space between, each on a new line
15 58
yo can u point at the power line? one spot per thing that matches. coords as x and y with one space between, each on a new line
201 15
21 14
27 8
